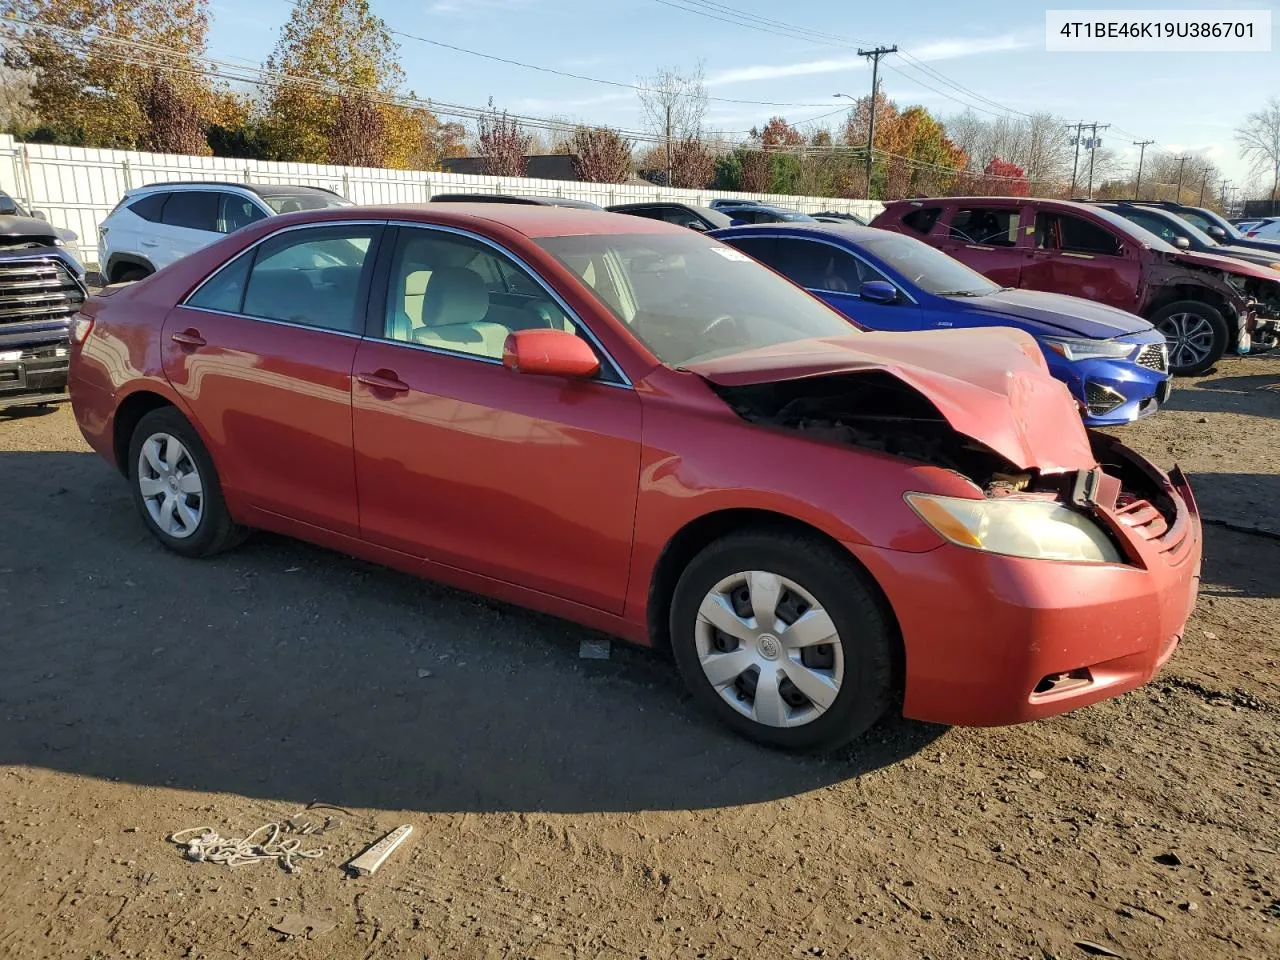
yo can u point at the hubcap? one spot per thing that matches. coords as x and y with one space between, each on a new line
170 484
769 649
1190 338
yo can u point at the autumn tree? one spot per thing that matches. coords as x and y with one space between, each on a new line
173 122
600 155
502 143
674 105
778 133
112 73
17 112
692 165
756 173
1259 141
356 138
326 48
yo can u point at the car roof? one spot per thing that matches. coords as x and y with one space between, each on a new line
529 200
530 219
261 189
849 230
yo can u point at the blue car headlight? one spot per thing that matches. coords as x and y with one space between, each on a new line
1073 348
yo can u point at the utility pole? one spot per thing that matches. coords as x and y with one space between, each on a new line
1142 152
1093 148
1204 185
1075 164
668 143
874 56
1182 162
1223 193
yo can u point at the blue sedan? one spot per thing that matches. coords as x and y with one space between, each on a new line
1115 363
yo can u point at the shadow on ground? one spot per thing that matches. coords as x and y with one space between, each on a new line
284 671
1255 394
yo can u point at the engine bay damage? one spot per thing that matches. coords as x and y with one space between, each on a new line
874 410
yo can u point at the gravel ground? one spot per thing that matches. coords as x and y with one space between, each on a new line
574 808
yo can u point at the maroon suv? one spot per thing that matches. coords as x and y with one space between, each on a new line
1202 303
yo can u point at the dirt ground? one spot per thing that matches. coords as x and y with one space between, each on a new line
571 808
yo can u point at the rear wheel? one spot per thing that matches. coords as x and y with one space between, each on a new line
175 487
1197 334
781 637
131 274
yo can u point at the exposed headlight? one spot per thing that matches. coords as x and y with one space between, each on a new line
1035 529
1081 349
59 242
1274 266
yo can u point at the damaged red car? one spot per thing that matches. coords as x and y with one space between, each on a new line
635 427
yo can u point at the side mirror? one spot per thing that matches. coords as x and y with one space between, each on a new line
39 215
697 225
1217 233
551 353
878 291
1182 243
735 222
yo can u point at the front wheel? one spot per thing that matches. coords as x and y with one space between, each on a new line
1197 335
781 637
175 487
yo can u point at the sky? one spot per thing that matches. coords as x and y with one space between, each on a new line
996 49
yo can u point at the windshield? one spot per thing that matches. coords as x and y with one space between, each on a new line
292 202
793 217
928 268
10 207
688 297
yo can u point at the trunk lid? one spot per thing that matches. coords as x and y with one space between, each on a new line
991 385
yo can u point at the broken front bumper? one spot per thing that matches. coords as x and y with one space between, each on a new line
992 640
33 375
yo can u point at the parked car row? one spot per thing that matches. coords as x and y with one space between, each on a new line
640 428
1203 303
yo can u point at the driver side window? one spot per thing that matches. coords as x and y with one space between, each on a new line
458 295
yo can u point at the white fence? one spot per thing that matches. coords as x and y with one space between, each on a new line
76 187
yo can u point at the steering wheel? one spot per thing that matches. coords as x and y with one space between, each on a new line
723 318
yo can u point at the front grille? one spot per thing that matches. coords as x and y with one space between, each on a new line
1101 399
37 293
1154 356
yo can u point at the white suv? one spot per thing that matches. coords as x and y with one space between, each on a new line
155 225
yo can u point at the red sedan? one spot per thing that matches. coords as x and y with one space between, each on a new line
635 427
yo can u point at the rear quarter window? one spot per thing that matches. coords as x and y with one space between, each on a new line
150 207
921 220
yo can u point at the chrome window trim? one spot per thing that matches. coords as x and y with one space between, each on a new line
823 240
569 312
278 323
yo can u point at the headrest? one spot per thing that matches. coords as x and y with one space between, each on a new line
454 295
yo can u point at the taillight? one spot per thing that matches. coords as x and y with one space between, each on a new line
80 327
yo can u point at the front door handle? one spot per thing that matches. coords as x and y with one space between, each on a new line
383 380
189 338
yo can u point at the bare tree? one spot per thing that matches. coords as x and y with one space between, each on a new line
356 138
601 155
1039 144
1259 141
674 105
502 143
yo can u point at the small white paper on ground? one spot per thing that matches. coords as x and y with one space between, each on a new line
594 650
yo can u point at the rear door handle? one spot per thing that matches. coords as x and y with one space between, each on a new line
189 338
148 243
383 380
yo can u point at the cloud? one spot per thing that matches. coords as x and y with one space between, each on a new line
937 50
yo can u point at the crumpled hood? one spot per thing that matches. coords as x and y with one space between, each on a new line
1065 315
1227 264
991 385
15 226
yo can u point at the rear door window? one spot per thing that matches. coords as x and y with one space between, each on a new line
311 277
1160 227
923 219
988 226
1080 236
192 209
818 266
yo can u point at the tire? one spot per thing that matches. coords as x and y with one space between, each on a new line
854 675
189 517
1197 335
